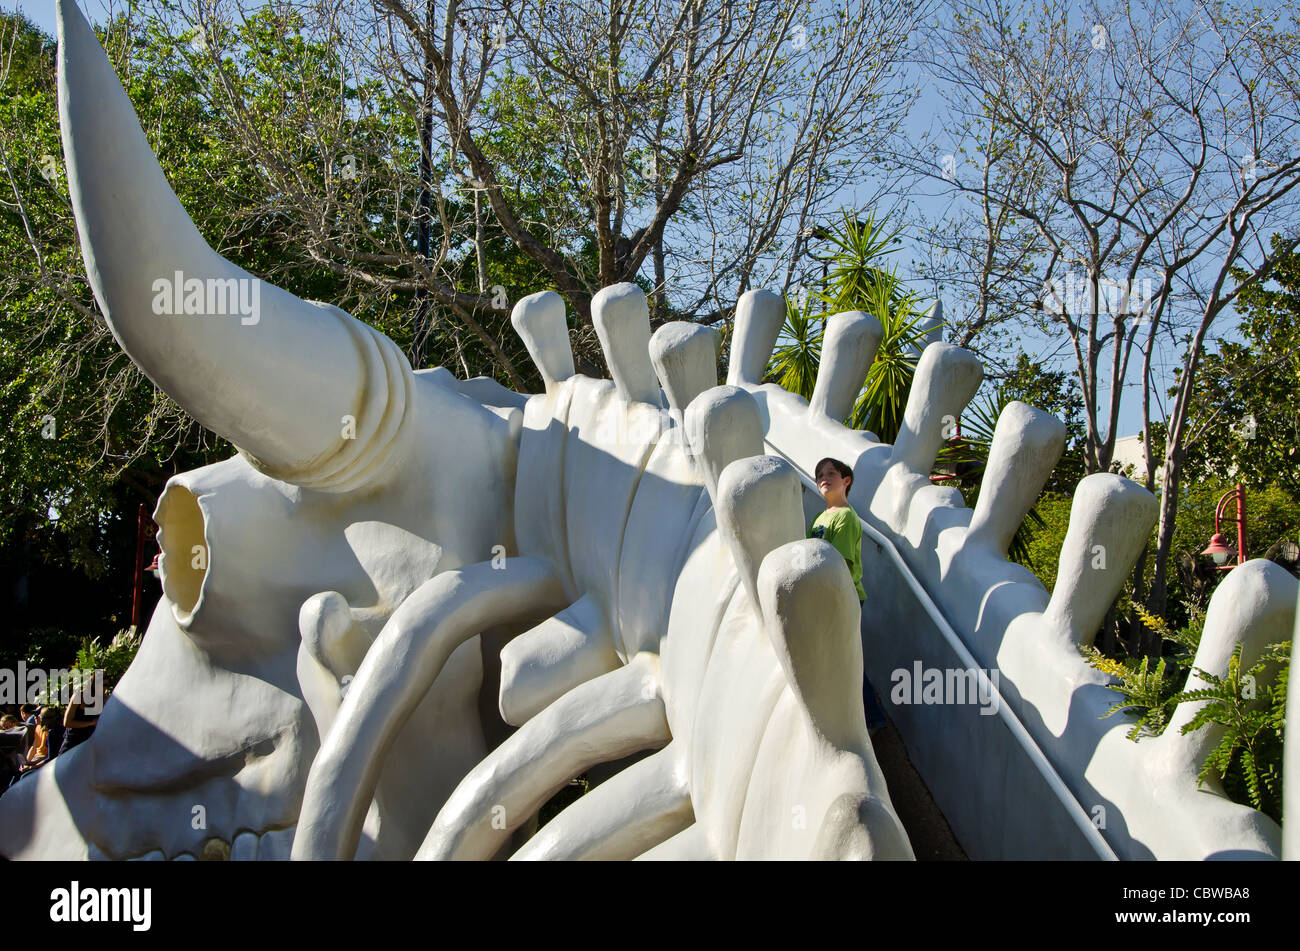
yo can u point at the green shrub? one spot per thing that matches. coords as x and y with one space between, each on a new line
113 659
1248 758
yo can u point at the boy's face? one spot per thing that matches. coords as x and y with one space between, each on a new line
831 484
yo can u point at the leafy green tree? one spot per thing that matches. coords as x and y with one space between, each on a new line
1243 421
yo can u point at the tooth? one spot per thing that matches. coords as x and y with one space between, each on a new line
622 321
1110 520
184 857
154 856
759 509
685 357
244 848
275 846
215 850
1027 442
539 321
851 341
722 425
759 316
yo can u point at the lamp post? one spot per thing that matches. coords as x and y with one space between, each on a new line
1220 548
144 530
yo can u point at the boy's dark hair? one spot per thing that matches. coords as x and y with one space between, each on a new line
27 709
844 471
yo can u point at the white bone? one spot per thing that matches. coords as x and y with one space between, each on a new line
722 425
848 348
615 715
1027 442
622 321
1254 606
685 357
226 365
759 317
760 508
931 325
546 662
811 614
946 379
1110 519
397 673
539 321
629 813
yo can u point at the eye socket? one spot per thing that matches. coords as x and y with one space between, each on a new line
183 549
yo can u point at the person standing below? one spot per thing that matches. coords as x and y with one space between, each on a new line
77 724
839 525
48 735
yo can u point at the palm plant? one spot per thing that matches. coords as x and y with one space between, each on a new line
794 363
855 280
880 406
852 272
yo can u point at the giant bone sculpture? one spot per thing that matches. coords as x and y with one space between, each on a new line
701 630
378 522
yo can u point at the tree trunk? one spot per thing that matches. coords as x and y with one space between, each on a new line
1157 598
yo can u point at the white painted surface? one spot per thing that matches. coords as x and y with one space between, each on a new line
347 568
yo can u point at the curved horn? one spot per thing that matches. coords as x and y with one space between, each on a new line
314 396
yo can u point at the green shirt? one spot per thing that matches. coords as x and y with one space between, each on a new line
842 529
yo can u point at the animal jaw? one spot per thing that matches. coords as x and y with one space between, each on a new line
281 528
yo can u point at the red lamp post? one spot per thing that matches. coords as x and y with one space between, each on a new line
1220 548
144 529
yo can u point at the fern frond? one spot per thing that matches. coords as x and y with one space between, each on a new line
1152 622
1105 664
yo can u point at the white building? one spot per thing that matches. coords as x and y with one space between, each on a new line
1129 452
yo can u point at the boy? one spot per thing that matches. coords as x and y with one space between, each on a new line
839 525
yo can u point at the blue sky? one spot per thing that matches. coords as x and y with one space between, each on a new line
1052 352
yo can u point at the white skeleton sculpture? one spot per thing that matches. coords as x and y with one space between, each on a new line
354 536
343 598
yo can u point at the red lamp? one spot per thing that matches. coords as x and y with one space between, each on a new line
1220 548
144 530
